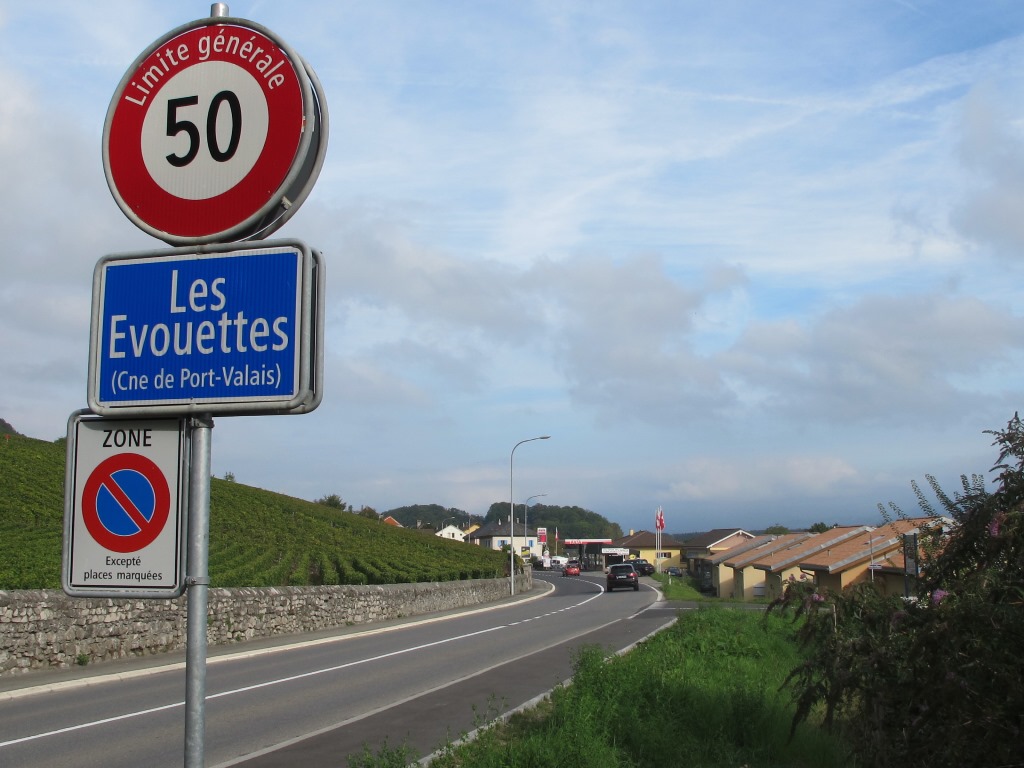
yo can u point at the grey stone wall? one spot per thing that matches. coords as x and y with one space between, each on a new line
47 629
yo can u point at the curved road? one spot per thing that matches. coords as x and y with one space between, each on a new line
315 700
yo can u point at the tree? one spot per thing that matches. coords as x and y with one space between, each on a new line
368 512
819 527
229 477
776 530
938 680
570 521
334 501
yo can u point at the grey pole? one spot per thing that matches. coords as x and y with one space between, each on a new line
198 575
511 516
526 525
198 583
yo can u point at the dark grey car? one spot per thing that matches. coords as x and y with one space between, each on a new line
643 567
622 575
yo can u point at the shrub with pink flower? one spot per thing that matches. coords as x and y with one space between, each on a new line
929 680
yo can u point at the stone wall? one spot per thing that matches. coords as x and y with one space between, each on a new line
47 629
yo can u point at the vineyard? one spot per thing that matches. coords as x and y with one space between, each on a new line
257 538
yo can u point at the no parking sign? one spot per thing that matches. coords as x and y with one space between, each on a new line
124 521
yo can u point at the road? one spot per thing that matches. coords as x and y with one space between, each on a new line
315 700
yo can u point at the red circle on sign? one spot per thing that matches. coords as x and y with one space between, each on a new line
188 129
148 527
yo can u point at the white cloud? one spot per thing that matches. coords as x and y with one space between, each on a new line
737 260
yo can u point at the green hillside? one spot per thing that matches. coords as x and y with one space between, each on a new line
257 538
570 522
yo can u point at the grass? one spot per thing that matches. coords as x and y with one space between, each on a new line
676 588
705 692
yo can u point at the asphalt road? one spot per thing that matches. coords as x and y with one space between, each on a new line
316 699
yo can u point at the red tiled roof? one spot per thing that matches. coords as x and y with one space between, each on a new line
875 544
712 537
740 557
743 546
646 540
791 556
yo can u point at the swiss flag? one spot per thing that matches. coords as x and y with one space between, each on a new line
659 520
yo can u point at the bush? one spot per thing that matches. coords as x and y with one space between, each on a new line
938 680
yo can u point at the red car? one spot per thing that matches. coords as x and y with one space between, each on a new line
572 568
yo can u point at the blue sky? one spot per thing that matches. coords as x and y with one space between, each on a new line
751 263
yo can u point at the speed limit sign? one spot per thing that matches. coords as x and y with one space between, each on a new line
216 133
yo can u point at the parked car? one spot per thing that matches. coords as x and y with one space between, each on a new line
641 566
622 575
674 570
572 568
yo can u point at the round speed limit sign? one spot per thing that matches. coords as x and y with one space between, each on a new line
215 134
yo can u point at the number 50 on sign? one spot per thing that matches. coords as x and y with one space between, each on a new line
216 133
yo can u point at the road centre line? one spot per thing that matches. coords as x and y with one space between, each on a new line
268 683
361 632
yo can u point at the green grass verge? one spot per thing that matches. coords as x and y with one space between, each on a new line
705 692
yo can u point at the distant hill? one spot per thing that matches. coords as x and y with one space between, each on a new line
7 429
428 516
571 522
257 537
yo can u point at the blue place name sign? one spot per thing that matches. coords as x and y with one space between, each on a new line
214 331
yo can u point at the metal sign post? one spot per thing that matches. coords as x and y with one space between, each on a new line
215 135
198 587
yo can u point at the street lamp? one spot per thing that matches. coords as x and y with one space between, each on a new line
871 547
512 513
526 507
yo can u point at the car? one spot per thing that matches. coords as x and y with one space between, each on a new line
572 568
622 575
675 570
641 566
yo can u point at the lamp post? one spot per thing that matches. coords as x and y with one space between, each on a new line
526 528
512 513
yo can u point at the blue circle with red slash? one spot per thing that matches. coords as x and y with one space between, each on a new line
126 502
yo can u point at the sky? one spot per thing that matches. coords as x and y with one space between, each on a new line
752 263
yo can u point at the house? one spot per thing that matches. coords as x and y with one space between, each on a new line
698 551
722 573
864 557
644 544
782 564
748 582
389 520
895 574
451 532
497 535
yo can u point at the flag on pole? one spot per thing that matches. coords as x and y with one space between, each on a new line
659 520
